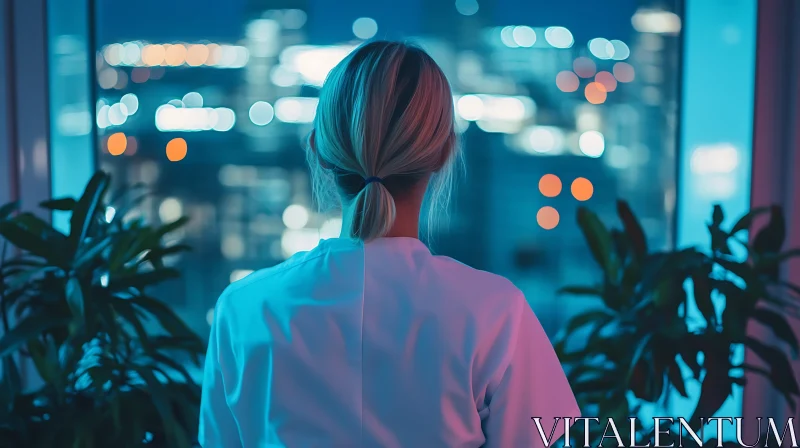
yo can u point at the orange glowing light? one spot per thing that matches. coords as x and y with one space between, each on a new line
595 93
582 189
550 185
547 218
584 67
196 55
176 149
175 55
624 72
607 80
153 55
567 81
116 143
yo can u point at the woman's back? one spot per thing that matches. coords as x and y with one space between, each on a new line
378 344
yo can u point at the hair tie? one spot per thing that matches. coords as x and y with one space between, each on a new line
372 179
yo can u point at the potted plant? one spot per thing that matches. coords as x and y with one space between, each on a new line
645 335
78 306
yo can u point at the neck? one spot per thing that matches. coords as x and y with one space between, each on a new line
406 223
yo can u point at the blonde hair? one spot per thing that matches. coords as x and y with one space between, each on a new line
386 111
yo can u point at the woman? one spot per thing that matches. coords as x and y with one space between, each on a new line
368 340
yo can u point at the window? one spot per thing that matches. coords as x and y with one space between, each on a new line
559 106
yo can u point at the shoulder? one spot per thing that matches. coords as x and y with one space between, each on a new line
481 289
263 280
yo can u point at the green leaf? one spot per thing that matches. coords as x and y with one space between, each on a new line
75 300
140 280
30 233
156 256
128 313
734 318
779 325
593 291
770 238
165 316
87 254
769 264
641 346
669 294
781 373
11 384
717 216
599 240
719 241
746 221
42 361
675 377
86 208
174 365
583 319
29 327
594 384
172 226
701 283
633 229
192 345
175 437
7 209
716 387
62 204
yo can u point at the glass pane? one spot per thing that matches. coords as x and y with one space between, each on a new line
559 105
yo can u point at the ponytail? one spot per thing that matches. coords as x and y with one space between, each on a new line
385 120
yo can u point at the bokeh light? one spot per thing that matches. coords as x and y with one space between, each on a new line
131 102
196 55
261 113
550 185
567 81
621 50
601 48
607 80
524 36
547 218
559 37
507 37
545 139
140 75
133 145
176 149
175 55
582 189
584 67
122 80
365 28
595 93
295 216
117 143
592 144
470 107
192 99
214 54
153 55
107 78
467 7
623 72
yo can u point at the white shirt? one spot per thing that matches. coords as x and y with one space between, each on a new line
378 345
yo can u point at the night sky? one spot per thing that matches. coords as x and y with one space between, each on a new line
330 21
